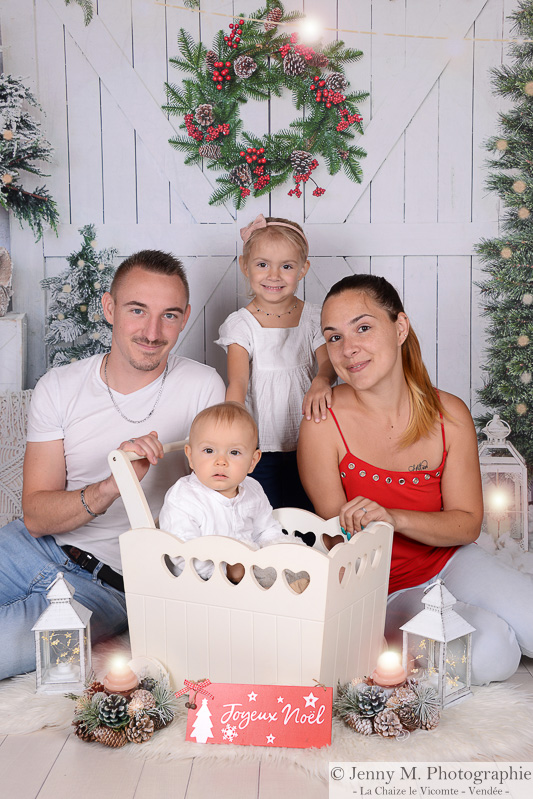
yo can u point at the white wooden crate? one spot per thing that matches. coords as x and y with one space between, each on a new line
246 633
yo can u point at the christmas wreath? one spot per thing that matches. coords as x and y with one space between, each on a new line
257 58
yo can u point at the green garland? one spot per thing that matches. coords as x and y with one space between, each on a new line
256 59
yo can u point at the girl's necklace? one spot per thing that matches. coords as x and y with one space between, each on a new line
134 421
278 315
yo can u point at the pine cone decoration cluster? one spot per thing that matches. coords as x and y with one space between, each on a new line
319 61
244 66
204 115
336 82
367 708
293 64
272 18
241 175
113 720
212 151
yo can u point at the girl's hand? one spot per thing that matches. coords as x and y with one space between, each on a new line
360 511
317 400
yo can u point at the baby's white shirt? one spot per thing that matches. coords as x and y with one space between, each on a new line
191 509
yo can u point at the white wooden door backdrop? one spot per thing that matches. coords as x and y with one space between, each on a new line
415 218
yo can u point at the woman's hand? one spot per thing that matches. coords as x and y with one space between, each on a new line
318 399
355 515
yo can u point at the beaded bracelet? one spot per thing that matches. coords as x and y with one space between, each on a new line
87 508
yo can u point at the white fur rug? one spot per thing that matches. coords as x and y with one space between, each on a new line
497 722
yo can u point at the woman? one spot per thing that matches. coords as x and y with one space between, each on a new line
401 452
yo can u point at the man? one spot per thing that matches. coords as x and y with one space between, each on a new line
139 394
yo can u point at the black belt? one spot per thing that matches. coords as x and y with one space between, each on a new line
89 563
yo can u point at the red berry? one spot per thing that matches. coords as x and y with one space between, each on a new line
328 105
322 83
261 150
254 158
228 77
248 159
219 86
231 24
226 38
241 22
317 77
237 38
234 46
228 64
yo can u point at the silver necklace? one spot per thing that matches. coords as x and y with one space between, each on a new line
134 421
278 315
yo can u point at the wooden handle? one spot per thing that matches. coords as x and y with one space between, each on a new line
174 446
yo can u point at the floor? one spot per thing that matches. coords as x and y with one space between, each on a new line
47 764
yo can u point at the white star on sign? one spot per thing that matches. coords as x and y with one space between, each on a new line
311 700
270 739
252 696
280 699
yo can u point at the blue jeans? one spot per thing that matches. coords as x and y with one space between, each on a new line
27 567
277 473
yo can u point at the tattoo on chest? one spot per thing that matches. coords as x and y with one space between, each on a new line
418 467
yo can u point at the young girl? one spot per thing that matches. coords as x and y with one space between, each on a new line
277 360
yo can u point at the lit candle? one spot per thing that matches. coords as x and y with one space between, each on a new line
389 671
120 679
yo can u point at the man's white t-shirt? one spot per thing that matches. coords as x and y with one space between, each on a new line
72 403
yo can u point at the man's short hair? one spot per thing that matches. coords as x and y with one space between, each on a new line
162 263
226 413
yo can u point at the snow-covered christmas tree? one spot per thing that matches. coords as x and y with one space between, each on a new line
76 324
22 146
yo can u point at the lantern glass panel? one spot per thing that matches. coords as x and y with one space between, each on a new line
456 677
502 496
421 656
61 655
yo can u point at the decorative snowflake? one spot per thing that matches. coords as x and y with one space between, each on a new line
229 733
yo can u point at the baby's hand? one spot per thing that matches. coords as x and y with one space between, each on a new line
317 400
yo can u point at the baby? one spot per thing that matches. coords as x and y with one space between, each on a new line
218 498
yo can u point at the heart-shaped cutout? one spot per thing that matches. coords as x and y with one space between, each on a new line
234 572
308 538
203 568
297 581
265 577
344 574
375 557
360 565
332 541
174 565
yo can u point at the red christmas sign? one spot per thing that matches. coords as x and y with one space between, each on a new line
262 715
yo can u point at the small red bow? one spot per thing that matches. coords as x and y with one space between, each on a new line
198 687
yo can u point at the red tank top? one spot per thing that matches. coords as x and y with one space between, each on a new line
412 562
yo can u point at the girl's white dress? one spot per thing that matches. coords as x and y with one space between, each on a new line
282 366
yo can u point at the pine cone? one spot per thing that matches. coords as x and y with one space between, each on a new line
241 175
425 706
244 66
95 687
140 729
301 161
344 154
293 64
149 683
109 737
113 711
387 724
401 696
213 151
370 701
204 115
273 16
160 723
407 716
359 724
210 58
319 61
146 697
336 82
82 731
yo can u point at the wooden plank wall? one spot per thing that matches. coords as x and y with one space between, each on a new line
415 219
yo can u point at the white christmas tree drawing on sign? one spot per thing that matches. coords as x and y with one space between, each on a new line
201 729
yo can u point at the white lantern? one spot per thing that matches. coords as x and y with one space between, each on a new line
62 641
437 645
504 481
